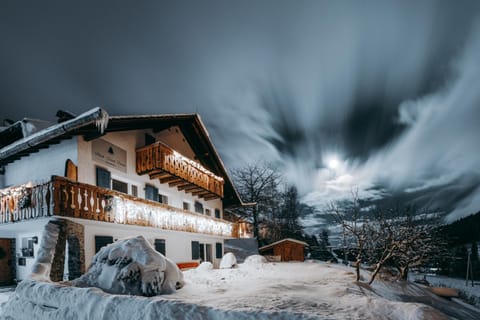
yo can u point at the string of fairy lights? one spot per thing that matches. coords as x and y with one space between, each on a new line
131 212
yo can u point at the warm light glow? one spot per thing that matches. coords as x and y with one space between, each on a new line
133 212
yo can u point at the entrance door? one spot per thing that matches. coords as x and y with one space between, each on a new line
205 252
6 276
208 252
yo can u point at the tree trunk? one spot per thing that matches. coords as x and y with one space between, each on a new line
255 222
357 268
375 272
404 273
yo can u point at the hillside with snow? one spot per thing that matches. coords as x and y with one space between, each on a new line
253 290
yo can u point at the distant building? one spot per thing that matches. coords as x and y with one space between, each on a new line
110 177
285 249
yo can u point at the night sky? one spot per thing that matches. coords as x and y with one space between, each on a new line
383 96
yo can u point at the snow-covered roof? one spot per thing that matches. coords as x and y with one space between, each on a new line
271 245
95 122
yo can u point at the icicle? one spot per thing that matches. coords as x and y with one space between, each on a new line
102 122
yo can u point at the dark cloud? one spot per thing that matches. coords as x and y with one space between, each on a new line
388 88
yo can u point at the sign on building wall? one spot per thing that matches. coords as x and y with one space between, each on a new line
109 154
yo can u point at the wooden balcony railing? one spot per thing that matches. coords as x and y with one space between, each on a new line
26 202
160 161
63 197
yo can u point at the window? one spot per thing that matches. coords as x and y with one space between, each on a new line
160 245
198 207
217 213
151 193
134 191
27 246
102 241
186 206
103 178
119 186
218 250
208 212
203 251
162 199
195 250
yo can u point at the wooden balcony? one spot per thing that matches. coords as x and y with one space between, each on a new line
161 162
63 197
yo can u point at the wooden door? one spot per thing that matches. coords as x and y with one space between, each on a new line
6 261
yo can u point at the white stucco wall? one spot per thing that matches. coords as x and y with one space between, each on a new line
130 141
28 229
39 167
177 243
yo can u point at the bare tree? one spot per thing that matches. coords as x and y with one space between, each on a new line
356 231
403 239
258 183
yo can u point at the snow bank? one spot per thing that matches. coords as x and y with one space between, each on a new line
228 261
204 266
131 266
255 260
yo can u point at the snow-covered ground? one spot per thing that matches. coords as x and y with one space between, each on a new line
253 290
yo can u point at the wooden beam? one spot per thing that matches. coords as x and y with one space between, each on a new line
193 188
211 197
179 183
187 186
201 193
169 179
159 175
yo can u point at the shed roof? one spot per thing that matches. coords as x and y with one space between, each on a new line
271 245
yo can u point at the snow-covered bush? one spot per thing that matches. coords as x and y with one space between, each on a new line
131 266
254 261
204 266
228 261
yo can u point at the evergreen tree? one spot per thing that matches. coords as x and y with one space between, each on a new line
290 214
474 252
324 243
474 260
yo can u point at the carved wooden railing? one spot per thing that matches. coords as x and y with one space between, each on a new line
63 197
80 200
158 156
26 202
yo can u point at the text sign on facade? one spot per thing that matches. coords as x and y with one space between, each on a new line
109 154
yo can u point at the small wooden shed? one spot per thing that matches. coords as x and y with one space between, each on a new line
287 249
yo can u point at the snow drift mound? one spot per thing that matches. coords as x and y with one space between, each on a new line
228 261
131 266
255 260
